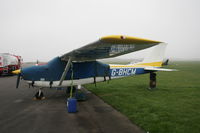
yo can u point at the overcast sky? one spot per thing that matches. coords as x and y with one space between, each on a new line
43 29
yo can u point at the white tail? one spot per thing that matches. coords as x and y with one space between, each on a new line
155 56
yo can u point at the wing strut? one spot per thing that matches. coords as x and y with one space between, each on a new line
65 72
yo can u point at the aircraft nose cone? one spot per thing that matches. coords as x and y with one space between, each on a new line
16 71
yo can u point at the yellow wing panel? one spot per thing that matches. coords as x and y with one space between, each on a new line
126 39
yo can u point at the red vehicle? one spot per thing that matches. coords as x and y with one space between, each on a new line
9 63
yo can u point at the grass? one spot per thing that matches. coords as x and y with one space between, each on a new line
174 107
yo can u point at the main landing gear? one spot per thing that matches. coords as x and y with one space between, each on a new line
39 95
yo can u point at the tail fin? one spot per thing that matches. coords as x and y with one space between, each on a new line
155 56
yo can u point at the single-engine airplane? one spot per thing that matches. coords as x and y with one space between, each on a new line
80 66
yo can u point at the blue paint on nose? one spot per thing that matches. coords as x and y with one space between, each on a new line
49 72
34 73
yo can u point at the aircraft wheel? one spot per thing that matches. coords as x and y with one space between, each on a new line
39 95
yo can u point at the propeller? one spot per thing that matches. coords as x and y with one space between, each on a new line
18 72
18 80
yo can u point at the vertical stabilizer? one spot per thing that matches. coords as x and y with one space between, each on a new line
155 56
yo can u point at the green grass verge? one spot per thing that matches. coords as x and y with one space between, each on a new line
174 107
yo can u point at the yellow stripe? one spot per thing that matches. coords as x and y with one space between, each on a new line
154 64
114 66
126 39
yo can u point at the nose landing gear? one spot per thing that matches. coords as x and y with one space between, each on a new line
39 95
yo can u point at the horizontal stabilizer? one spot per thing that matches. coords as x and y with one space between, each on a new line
158 69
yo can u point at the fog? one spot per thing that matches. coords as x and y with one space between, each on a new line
43 29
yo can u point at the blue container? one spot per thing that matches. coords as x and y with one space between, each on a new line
72 105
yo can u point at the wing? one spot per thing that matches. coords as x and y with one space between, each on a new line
158 69
109 46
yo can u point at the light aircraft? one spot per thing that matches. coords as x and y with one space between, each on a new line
80 66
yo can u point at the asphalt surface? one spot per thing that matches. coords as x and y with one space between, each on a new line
19 113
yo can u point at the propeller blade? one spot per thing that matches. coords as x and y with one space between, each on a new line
18 80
